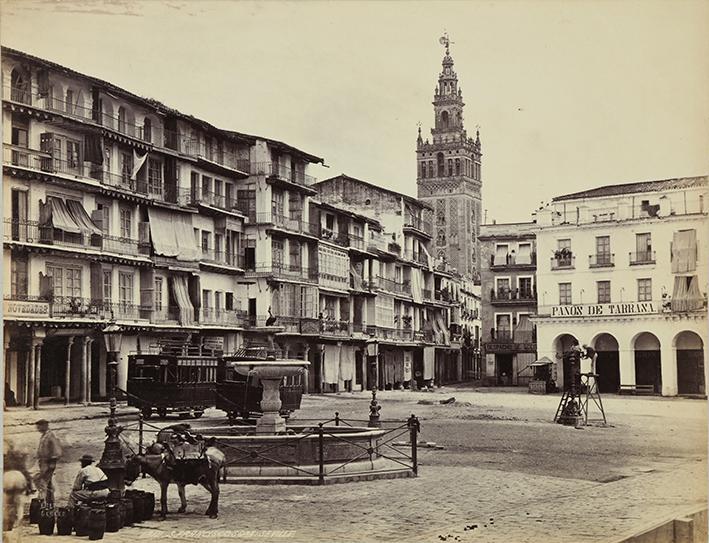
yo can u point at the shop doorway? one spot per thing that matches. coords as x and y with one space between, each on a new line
648 367
607 363
503 362
690 364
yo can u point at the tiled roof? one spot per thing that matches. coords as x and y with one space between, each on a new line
642 186
406 197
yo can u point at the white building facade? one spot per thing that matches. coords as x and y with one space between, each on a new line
623 268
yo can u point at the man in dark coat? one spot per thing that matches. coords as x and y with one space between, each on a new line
49 451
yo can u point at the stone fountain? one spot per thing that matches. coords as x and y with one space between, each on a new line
271 374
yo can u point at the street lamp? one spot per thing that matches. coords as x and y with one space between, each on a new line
112 461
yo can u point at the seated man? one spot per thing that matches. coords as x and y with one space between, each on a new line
91 483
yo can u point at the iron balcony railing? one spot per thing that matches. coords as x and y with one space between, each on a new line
512 295
511 260
87 308
27 231
281 172
356 242
222 257
643 257
284 271
419 224
335 328
392 285
293 223
54 104
209 198
563 262
223 317
387 333
340 238
601 260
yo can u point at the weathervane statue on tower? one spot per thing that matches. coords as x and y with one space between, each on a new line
444 40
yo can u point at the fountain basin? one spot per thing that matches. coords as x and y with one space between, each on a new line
348 454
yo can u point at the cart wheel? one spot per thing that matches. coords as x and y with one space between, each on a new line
162 412
147 412
198 414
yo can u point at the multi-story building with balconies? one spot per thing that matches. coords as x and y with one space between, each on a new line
509 298
623 268
409 296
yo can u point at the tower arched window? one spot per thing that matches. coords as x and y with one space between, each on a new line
430 168
423 170
457 166
441 164
450 167
121 119
444 119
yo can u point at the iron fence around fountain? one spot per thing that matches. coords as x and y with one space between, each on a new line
401 457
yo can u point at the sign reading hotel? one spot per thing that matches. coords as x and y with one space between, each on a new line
604 310
25 309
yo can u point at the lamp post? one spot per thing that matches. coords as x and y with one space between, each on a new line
112 461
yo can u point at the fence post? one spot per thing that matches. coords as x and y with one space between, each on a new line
414 429
337 418
140 433
321 454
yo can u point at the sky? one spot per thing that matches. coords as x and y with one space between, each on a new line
567 95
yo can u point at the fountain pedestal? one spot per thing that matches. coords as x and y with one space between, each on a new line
271 374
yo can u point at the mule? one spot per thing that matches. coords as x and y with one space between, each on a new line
159 463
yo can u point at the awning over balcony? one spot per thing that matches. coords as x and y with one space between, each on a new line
81 218
686 295
523 331
172 234
59 216
417 285
182 296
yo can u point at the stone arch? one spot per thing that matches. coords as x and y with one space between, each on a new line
689 358
445 119
560 345
607 363
648 362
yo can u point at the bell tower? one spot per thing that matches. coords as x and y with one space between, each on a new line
449 176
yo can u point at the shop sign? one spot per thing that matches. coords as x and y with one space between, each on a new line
510 347
604 310
25 308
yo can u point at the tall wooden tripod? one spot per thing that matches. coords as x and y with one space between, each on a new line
593 394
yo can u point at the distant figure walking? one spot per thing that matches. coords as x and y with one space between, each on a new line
49 451
16 482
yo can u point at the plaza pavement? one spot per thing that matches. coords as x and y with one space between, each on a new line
476 490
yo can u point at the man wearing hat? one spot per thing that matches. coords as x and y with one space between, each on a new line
91 482
49 451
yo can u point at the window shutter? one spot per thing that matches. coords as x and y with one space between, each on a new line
144 233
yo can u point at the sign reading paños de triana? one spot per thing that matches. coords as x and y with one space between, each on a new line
604 310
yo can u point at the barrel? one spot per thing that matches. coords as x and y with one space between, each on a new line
97 523
128 510
81 519
46 520
138 506
65 520
113 517
149 505
35 506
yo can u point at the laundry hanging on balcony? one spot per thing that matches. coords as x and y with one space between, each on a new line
138 162
356 278
78 213
684 251
182 296
172 234
443 328
429 361
56 214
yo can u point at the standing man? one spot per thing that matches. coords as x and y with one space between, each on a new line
49 451
90 483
